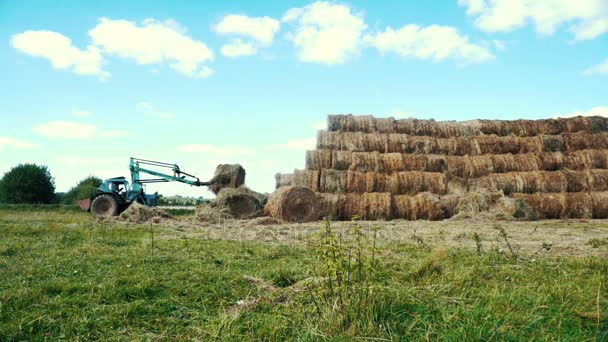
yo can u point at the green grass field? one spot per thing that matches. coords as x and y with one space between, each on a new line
65 276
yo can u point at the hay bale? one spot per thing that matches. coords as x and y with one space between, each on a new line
139 213
318 159
597 124
293 204
333 181
351 141
240 202
283 179
597 180
423 206
545 206
402 143
415 162
227 176
578 205
366 162
600 204
537 181
392 162
585 140
385 125
351 123
341 160
336 122
413 182
368 206
552 161
331 206
553 143
357 182
306 178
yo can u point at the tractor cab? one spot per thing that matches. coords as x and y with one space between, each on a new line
119 186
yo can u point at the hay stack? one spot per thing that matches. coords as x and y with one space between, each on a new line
293 204
331 206
227 176
544 181
567 205
240 202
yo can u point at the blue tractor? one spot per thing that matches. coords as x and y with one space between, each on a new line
114 195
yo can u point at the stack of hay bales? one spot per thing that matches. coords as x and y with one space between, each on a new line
382 168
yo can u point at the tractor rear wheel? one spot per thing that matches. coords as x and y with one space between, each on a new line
104 206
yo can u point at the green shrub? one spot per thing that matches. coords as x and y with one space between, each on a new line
84 189
27 183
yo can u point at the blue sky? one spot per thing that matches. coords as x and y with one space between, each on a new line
87 85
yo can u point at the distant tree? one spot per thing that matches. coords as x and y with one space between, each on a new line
84 189
27 183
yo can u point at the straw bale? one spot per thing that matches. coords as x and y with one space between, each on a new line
502 163
587 159
552 161
283 179
368 206
524 163
392 162
574 124
333 181
240 202
386 182
455 146
293 204
385 125
600 204
336 122
546 206
414 162
403 143
413 182
360 182
584 140
331 206
597 179
307 178
432 163
553 143
423 206
341 160
597 124
318 159
366 162
578 205
450 129
576 181
227 176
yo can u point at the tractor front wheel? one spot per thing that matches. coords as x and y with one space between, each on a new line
104 206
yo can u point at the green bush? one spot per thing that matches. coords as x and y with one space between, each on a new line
84 189
27 183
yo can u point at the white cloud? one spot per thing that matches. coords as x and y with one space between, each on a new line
326 32
587 19
80 113
595 111
238 48
154 42
295 144
261 29
598 69
16 143
149 110
222 151
58 49
65 130
114 134
431 42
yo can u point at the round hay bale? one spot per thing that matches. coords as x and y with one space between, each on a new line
597 124
333 181
368 206
554 143
526 162
318 159
293 204
597 180
392 162
386 125
336 122
227 176
423 206
240 202
600 204
341 160
432 163
366 162
307 178
357 182
413 162
578 205
331 206
552 161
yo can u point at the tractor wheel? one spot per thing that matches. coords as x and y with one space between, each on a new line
104 206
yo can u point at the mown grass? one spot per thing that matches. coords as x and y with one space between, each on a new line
65 276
